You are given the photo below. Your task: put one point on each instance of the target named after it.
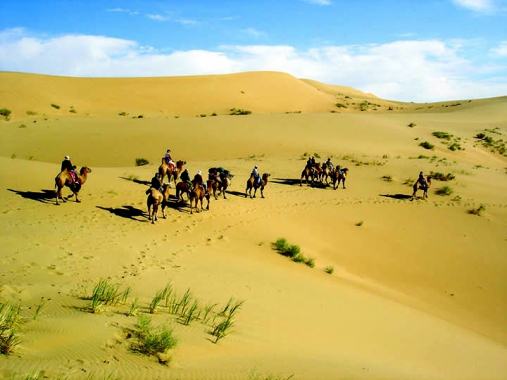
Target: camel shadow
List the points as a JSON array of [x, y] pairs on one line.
[[44, 196], [138, 181], [397, 196], [128, 212], [235, 193], [286, 181]]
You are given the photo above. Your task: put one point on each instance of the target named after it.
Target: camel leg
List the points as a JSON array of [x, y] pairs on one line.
[[262, 193], [207, 206], [77, 199], [343, 183]]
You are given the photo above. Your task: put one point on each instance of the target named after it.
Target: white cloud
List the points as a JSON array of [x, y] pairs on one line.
[[122, 10], [420, 71], [483, 6], [318, 2], [252, 32], [500, 50]]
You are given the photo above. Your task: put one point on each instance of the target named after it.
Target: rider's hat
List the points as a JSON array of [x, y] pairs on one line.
[[256, 167], [199, 172], [67, 157]]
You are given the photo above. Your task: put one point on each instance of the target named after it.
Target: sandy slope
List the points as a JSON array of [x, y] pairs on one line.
[[418, 290]]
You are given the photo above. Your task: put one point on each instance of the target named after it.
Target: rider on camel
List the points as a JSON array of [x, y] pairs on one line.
[[156, 183], [422, 181], [185, 177], [169, 158], [255, 173], [311, 162], [198, 180], [67, 165], [329, 164]]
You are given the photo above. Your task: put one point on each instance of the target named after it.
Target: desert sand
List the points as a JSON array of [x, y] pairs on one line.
[[418, 288]]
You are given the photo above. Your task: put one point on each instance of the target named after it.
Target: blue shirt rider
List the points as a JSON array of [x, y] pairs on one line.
[[255, 173]]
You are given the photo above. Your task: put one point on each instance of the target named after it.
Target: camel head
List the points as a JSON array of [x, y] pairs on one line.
[[85, 169], [265, 176]]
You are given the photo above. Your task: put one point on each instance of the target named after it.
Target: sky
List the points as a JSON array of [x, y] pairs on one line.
[[406, 50]]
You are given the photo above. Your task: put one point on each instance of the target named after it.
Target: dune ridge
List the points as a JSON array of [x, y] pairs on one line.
[[417, 288]]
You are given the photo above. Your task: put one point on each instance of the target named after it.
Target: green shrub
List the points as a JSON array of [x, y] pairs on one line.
[[387, 178], [239, 111], [442, 135], [412, 125], [359, 224], [427, 145], [123, 113], [5, 113], [142, 161], [341, 105], [477, 211], [153, 340], [31, 113], [442, 177], [72, 110], [10, 320], [55, 106], [329, 270], [446, 190]]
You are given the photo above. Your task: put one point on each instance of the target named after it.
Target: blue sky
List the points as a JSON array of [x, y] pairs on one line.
[[408, 50]]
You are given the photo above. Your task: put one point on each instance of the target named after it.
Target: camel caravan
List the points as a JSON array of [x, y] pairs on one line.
[[314, 173], [193, 192]]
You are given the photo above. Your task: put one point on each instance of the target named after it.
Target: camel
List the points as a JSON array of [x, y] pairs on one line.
[[198, 193], [339, 175], [165, 169], [308, 172], [155, 200], [222, 185], [65, 179], [326, 173], [418, 186], [182, 188], [253, 184]]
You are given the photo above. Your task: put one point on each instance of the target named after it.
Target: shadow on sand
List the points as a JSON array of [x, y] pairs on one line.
[[397, 196], [286, 181], [138, 181], [44, 196], [128, 212], [235, 193]]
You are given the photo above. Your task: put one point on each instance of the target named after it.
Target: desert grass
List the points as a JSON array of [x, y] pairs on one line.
[[427, 145], [329, 269], [254, 375], [446, 190], [162, 294], [441, 176], [10, 321], [153, 340], [39, 308], [292, 251], [141, 161], [359, 224], [134, 307], [224, 327], [477, 211], [193, 313], [105, 293]]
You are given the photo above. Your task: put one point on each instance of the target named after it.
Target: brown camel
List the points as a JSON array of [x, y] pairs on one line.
[[253, 184], [326, 173], [198, 193], [170, 171], [339, 175], [418, 186], [308, 172], [65, 179], [222, 184], [155, 200], [182, 188]]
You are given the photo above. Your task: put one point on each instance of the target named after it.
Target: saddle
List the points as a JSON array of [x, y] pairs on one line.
[[73, 175]]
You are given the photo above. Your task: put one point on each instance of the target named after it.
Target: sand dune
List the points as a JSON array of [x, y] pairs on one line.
[[418, 287]]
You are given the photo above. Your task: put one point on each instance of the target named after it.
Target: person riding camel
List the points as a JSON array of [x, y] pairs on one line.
[[169, 158], [156, 183], [255, 173], [198, 180], [185, 177], [311, 162], [329, 164], [422, 181], [67, 165]]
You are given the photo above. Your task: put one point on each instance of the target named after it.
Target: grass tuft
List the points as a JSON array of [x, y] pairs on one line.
[[10, 320]]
